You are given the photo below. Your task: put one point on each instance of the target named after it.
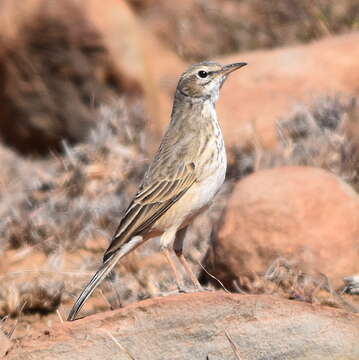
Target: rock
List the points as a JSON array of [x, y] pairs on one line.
[[140, 55], [269, 88], [306, 215], [55, 70], [200, 326], [275, 81], [82, 55]]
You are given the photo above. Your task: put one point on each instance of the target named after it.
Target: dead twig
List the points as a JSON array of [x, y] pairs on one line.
[[213, 277], [234, 346], [118, 344]]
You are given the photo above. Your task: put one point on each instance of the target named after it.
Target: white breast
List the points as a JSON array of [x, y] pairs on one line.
[[210, 185], [214, 172]]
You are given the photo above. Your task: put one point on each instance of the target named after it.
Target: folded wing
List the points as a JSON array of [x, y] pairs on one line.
[[151, 202]]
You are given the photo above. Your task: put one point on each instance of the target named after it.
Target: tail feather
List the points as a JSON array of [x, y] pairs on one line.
[[101, 273]]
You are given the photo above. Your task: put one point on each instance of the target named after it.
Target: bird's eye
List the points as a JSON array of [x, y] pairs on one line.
[[202, 74]]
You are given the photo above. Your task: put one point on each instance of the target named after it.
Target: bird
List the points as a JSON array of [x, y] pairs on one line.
[[181, 181]]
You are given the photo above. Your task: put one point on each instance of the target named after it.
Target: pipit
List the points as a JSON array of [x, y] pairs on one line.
[[183, 178]]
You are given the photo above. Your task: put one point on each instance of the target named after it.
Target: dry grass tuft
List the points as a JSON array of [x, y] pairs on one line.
[[228, 26], [323, 135], [68, 203], [39, 296], [288, 280], [72, 198]]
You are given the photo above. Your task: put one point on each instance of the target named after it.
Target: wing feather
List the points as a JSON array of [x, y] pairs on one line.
[[150, 203]]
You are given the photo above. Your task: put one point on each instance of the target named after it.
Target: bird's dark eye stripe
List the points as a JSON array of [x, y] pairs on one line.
[[202, 73]]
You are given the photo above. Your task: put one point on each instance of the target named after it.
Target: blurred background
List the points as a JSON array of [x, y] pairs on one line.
[[86, 91]]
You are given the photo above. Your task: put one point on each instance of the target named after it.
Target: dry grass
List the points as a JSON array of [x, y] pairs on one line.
[[65, 203], [323, 135], [226, 26], [288, 280], [70, 198], [38, 296]]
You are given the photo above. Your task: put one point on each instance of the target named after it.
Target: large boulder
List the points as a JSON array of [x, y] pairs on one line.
[[276, 81], [307, 216], [55, 69], [211, 325], [59, 62], [138, 53], [271, 87]]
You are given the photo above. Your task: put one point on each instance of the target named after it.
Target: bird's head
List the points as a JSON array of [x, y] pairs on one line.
[[204, 80]]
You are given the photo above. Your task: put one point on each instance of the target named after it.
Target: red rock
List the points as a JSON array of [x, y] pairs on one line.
[[304, 214], [275, 81], [55, 70], [138, 53], [270, 87], [82, 55], [198, 326]]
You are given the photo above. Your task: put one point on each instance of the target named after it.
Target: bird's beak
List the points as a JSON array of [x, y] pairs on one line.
[[227, 69]]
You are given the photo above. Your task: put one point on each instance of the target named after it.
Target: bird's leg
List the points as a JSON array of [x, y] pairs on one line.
[[167, 239], [178, 249], [170, 261], [189, 271]]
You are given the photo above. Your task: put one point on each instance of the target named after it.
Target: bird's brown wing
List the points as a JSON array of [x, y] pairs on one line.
[[151, 202]]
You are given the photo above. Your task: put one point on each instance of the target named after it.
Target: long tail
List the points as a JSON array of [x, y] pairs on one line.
[[101, 273]]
